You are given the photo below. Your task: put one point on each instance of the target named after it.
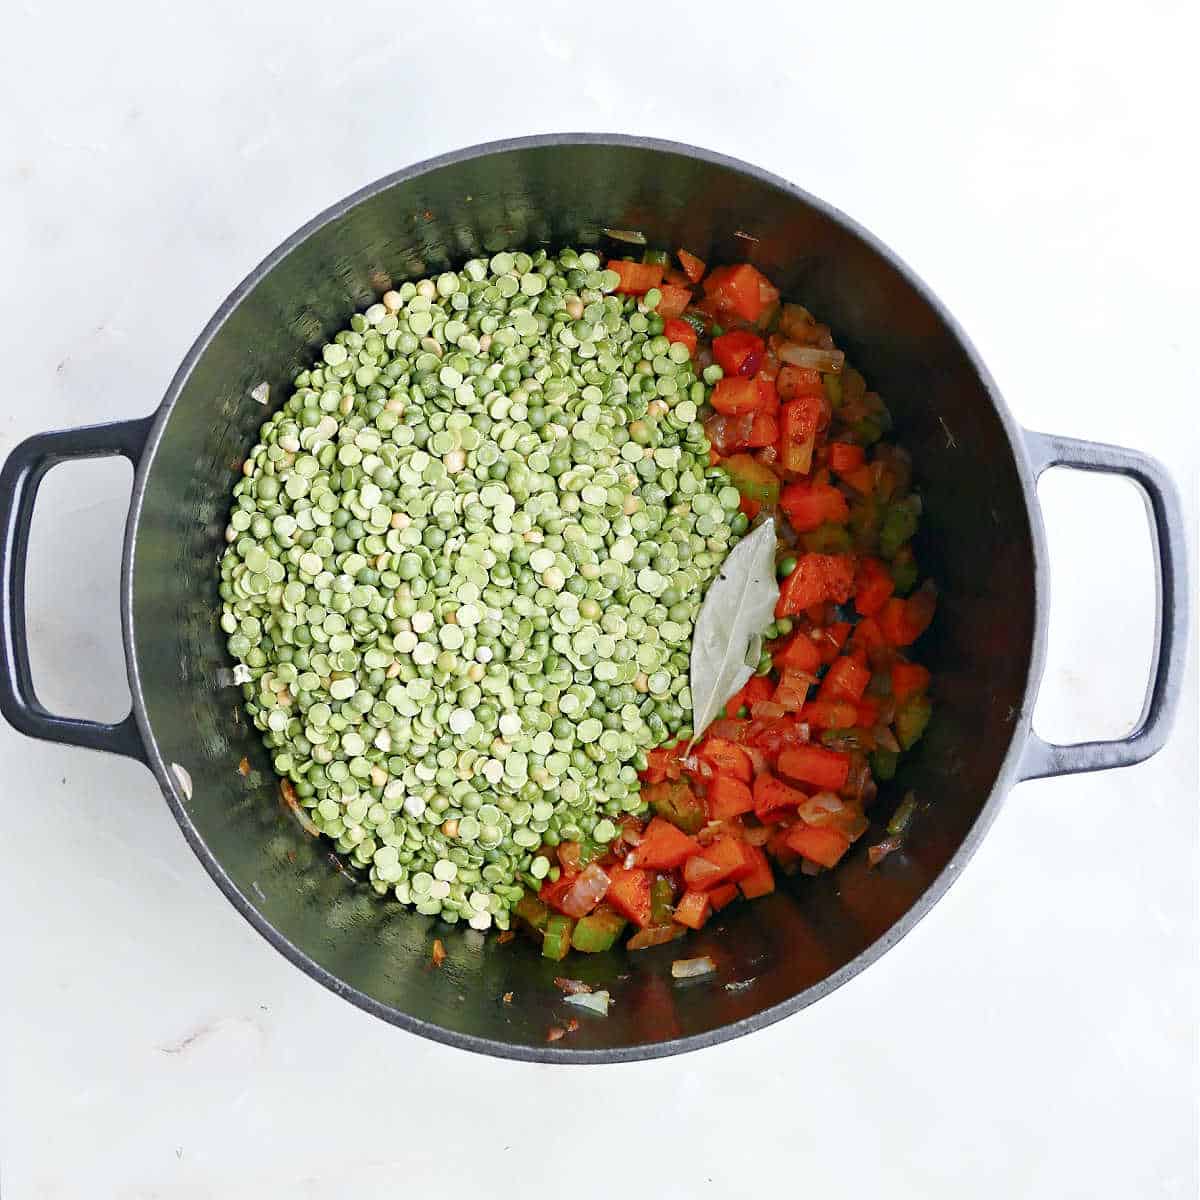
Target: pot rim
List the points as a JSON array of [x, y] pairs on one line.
[[170, 784]]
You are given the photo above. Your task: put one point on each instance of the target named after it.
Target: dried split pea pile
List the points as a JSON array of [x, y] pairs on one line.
[[464, 563]]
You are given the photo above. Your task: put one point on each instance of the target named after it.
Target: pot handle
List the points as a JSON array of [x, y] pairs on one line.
[[19, 482], [1042, 758]]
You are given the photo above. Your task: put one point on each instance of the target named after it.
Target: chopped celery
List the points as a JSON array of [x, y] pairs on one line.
[[556, 940]]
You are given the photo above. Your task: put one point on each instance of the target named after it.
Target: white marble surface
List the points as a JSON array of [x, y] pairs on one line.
[[1036, 1035]]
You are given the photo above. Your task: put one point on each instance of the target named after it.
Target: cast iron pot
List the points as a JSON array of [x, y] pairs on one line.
[[982, 541]]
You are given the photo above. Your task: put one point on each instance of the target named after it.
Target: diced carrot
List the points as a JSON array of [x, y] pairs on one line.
[[861, 479], [738, 352], [809, 505], [750, 507], [908, 679], [761, 879], [903, 621], [772, 795], [727, 758], [799, 653], [792, 690], [833, 640], [722, 895], [735, 395], [845, 457], [677, 277], [675, 330], [764, 429], [727, 855], [868, 636], [825, 769], [820, 844], [801, 419], [872, 586], [728, 797], [674, 300], [845, 680], [663, 846], [629, 893], [830, 714], [636, 278], [693, 909], [693, 267], [758, 687], [739, 289], [868, 713], [817, 578]]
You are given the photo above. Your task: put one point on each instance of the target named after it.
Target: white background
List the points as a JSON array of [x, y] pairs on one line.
[[1036, 1035]]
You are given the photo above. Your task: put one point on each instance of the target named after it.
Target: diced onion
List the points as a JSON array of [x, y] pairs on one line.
[[813, 357], [586, 892], [596, 1002], [691, 968], [632, 236], [572, 987]]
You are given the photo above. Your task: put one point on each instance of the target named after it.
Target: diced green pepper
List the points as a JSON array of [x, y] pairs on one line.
[[828, 539], [904, 571], [598, 931], [753, 479], [911, 718], [674, 801], [660, 258], [865, 517], [833, 389], [903, 815], [532, 912], [662, 901], [556, 940], [883, 764], [899, 524]]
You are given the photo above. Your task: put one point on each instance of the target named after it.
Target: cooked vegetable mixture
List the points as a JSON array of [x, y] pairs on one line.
[[464, 568]]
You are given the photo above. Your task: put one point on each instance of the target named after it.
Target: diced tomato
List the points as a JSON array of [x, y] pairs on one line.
[[738, 352], [907, 680], [629, 893], [798, 653], [728, 797], [825, 769], [801, 419], [693, 909], [738, 289], [734, 395], [845, 457], [771, 736], [675, 300], [817, 578], [872, 586], [845, 680], [722, 895], [636, 278], [819, 844], [809, 505], [749, 507], [830, 714], [903, 621], [663, 846], [868, 713], [726, 758], [772, 796], [796, 382], [760, 881], [693, 267], [764, 430], [758, 687], [675, 330], [724, 860]]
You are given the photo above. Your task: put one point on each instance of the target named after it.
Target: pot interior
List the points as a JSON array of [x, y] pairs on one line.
[[976, 541]]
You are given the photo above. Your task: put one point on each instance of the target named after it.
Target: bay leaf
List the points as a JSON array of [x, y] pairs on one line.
[[739, 605]]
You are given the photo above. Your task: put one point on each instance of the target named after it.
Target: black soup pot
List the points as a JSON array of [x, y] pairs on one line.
[[982, 541]]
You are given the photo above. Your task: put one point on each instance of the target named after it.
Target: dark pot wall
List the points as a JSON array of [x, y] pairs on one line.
[[977, 537]]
